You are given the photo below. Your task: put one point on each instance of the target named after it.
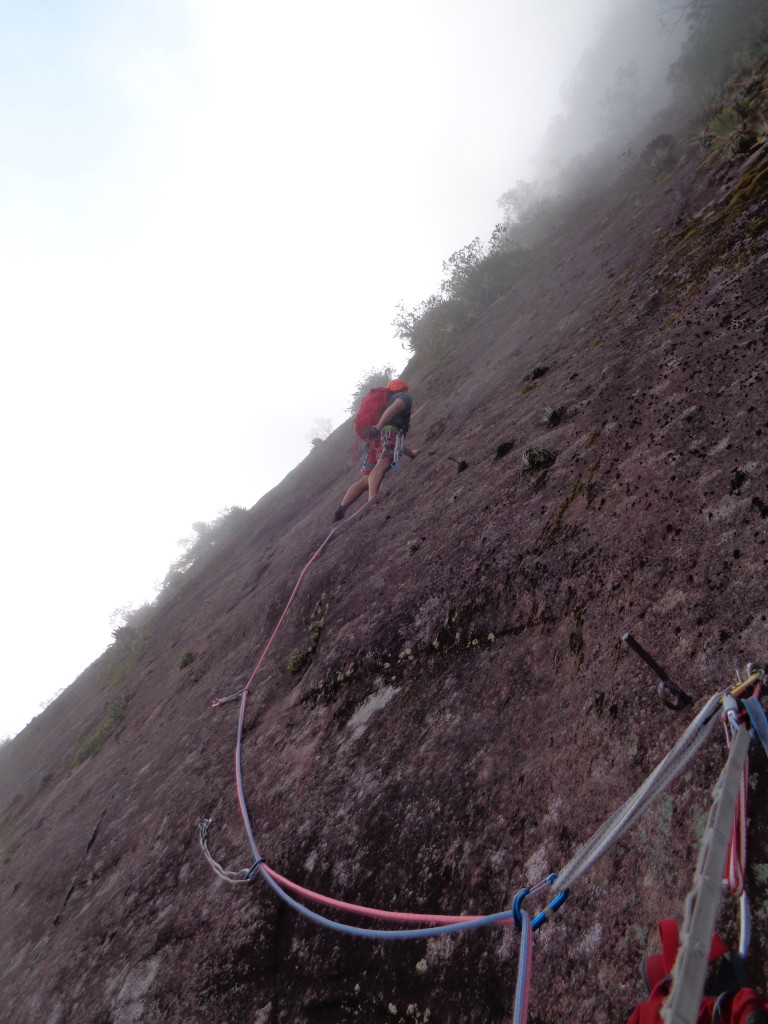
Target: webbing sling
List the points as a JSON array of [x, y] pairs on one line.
[[703, 902]]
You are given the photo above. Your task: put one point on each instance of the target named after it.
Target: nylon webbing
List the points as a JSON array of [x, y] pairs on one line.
[[659, 779], [703, 901]]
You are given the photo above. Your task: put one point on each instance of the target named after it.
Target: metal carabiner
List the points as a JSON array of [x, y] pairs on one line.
[[539, 920]]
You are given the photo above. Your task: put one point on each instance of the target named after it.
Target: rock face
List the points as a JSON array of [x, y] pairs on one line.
[[447, 711]]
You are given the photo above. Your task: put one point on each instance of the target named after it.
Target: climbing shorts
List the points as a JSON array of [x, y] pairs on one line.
[[389, 445]]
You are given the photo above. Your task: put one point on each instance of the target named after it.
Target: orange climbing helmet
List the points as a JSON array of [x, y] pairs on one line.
[[397, 385]]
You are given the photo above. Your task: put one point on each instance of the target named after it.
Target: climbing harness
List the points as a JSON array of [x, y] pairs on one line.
[[702, 904], [727, 998], [703, 901], [720, 869]]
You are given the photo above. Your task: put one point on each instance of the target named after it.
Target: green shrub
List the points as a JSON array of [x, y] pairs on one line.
[[432, 323], [475, 276], [186, 659], [92, 743], [724, 129], [301, 661], [725, 39], [198, 549], [373, 379]]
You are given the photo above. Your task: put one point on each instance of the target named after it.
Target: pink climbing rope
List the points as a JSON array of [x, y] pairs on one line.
[[354, 908], [302, 574], [285, 610]]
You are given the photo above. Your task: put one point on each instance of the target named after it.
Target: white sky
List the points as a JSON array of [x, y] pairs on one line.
[[207, 206]]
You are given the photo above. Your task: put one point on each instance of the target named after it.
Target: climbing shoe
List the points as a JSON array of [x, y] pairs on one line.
[[338, 515]]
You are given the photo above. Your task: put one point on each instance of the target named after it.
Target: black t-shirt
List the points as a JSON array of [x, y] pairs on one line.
[[401, 420]]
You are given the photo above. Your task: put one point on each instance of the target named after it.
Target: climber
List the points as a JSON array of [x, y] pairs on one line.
[[384, 444]]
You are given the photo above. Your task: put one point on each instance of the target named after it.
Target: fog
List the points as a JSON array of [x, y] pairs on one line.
[[619, 82], [210, 213]]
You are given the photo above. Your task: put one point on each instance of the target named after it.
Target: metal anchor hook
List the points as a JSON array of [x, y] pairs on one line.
[[670, 693]]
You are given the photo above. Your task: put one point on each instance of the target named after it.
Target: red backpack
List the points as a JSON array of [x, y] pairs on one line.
[[371, 408]]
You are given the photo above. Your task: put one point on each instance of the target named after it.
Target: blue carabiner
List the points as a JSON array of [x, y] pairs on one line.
[[556, 903], [517, 903]]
